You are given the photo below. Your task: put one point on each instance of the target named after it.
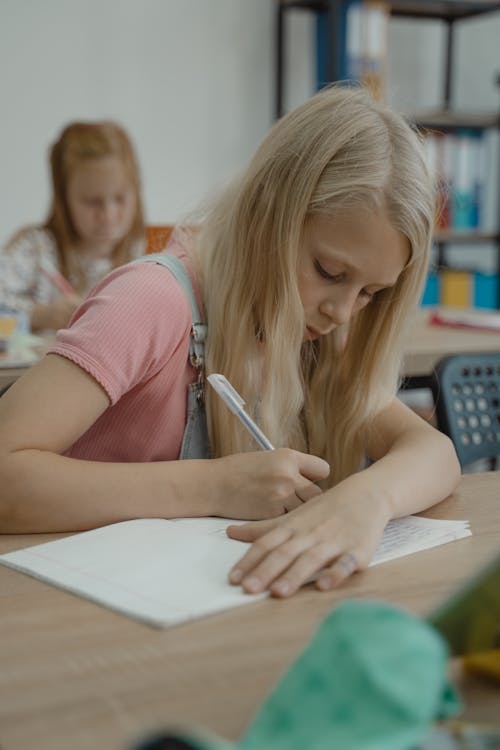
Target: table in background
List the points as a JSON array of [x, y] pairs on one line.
[[74, 674], [428, 343], [9, 374], [30, 354]]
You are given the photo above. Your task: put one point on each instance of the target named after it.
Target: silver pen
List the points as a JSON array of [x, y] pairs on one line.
[[235, 403]]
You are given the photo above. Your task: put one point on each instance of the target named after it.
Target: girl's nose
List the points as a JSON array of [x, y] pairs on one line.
[[340, 310], [107, 211]]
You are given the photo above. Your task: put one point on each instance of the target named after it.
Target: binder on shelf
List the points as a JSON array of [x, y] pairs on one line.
[[361, 44], [486, 288], [322, 45], [367, 27], [456, 288], [438, 148], [461, 289], [432, 291], [465, 211], [445, 143], [459, 164], [480, 163]]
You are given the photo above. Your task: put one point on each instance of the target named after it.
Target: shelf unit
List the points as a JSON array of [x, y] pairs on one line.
[[445, 120], [448, 11]]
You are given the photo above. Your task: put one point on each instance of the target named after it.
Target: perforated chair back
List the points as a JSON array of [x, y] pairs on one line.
[[466, 392]]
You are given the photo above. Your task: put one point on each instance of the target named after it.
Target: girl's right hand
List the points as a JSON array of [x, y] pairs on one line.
[[55, 314], [266, 484]]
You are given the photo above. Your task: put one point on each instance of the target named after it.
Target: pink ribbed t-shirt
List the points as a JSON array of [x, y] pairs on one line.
[[132, 336]]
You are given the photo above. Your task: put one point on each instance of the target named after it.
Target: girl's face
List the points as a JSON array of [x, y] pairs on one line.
[[343, 263], [102, 201]]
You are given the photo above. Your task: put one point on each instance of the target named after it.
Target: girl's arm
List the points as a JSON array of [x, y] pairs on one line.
[[54, 314], [338, 532], [19, 277], [20, 262], [56, 401]]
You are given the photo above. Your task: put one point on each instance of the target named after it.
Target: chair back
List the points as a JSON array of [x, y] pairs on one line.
[[157, 237], [466, 390]]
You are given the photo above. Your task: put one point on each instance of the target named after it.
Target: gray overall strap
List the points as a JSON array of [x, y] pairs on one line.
[[198, 329]]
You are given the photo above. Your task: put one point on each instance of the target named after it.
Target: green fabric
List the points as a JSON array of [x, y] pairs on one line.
[[372, 678]]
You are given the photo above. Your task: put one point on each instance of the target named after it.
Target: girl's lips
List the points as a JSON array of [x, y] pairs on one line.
[[311, 334]]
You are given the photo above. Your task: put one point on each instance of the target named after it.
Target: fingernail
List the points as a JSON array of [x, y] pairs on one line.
[[324, 583], [252, 584], [235, 575], [281, 587]]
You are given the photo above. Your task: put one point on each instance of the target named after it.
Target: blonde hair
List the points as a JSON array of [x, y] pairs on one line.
[[340, 149], [79, 142]]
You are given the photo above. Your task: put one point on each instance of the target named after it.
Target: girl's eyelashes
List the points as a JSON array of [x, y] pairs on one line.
[[367, 294], [324, 273], [338, 277]]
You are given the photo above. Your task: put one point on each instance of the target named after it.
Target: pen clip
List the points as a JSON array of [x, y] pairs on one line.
[[228, 394]]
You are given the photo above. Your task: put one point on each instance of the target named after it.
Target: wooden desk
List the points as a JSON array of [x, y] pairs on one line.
[[427, 344], [77, 675]]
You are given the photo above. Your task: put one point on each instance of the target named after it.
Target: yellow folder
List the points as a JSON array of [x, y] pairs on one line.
[[456, 288]]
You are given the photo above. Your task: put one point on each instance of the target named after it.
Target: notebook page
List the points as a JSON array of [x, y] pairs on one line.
[[165, 572], [157, 571], [404, 536]]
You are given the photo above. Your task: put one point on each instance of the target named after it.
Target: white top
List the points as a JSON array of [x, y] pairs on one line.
[[22, 285]]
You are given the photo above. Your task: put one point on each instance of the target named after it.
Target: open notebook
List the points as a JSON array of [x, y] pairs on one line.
[[164, 572]]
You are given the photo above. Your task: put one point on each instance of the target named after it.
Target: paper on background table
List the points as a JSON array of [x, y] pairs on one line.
[[21, 351], [165, 572], [462, 318], [19, 358]]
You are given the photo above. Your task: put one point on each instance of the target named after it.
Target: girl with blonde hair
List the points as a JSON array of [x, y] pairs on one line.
[[95, 224], [307, 271]]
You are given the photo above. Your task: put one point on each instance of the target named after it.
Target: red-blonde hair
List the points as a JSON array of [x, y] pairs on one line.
[[78, 142]]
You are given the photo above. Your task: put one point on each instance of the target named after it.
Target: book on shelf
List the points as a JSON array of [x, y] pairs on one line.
[[366, 44], [362, 44], [439, 158], [458, 161], [461, 288], [456, 288]]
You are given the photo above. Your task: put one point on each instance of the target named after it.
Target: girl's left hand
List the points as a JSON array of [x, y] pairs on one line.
[[331, 537]]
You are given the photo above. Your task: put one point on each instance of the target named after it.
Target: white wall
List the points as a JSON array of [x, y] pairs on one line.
[[191, 80]]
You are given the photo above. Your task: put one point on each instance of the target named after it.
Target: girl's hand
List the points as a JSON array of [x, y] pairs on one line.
[[266, 484], [55, 314], [331, 537]]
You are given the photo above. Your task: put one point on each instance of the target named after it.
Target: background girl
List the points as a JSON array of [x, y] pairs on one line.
[[95, 223], [308, 270]]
